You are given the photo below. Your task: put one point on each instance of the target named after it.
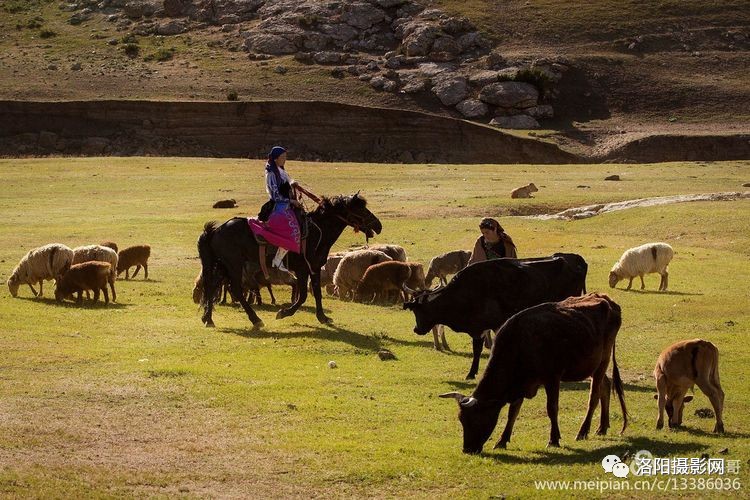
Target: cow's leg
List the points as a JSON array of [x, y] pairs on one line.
[[630, 284], [513, 410], [33, 291], [604, 396], [137, 268], [273, 299], [594, 395], [127, 276], [442, 338], [716, 396], [96, 295], [79, 300], [553, 395], [477, 343], [487, 338], [435, 338], [41, 288], [661, 397], [643, 285]]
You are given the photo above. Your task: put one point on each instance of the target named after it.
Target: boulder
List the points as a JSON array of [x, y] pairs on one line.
[[451, 90], [315, 41], [472, 108], [483, 77], [329, 57], [444, 48], [419, 42], [267, 43], [613, 177], [173, 8], [515, 122], [174, 27], [362, 15], [415, 85], [378, 82], [387, 4], [339, 32], [136, 9], [540, 111], [510, 94], [469, 41]]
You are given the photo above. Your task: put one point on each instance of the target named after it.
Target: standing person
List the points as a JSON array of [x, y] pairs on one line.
[[494, 243], [283, 228]]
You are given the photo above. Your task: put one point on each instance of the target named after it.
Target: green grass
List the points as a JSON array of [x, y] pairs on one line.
[[138, 398]]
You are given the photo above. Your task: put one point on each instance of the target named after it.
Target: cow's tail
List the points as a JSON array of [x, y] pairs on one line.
[[209, 263], [618, 388]]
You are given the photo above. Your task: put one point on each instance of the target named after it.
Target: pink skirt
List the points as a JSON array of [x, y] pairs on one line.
[[281, 230]]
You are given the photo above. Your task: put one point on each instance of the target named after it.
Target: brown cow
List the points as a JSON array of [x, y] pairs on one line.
[[544, 345], [679, 367]]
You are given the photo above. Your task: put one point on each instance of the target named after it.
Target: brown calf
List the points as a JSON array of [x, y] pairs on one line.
[[92, 275], [679, 367], [134, 256]]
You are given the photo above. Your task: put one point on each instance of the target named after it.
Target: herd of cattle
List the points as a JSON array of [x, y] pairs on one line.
[[87, 269], [548, 328]]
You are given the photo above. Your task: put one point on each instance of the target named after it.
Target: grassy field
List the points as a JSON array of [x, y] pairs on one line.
[[138, 398]]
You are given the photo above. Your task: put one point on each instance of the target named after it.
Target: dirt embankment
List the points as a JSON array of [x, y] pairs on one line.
[[313, 130]]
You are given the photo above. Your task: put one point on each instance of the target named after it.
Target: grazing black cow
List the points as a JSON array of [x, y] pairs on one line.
[[485, 294], [543, 345]]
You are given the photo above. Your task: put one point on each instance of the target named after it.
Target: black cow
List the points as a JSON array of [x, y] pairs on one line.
[[541, 346], [485, 294]]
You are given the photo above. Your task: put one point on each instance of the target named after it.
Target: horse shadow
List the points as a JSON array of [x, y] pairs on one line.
[[571, 454]]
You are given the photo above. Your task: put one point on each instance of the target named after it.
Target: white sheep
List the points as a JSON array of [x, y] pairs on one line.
[[91, 253], [645, 259], [44, 263], [351, 269]]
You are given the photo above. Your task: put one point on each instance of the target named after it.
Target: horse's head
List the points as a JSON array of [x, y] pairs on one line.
[[353, 210]]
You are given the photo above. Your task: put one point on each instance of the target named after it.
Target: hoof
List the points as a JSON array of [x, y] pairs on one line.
[[470, 377], [719, 429], [210, 324], [553, 444], [581, 437], [325, 320], [282, 314], [601, 432], [258, 325], [500, 445]]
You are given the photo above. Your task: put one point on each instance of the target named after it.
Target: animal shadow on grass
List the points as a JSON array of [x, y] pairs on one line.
[[692, 428], [329, 332], [585, 385], [570, 454], [657, 292], [87, 304]]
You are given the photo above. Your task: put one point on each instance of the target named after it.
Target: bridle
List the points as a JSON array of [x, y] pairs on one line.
[[359, 222]]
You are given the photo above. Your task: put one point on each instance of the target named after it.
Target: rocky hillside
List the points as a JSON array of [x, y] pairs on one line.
[[595, 75]]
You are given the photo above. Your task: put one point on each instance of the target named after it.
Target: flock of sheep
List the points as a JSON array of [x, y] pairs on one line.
[[87, 269]]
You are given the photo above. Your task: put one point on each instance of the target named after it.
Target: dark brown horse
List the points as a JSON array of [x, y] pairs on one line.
[[225, 249]]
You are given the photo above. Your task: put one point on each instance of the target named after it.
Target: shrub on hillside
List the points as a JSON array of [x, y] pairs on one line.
[[47, 34], [160, 55], [131, 49], [232, 95]]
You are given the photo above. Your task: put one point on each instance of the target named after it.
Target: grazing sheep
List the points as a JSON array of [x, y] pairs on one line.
[[448, 263], [134, 256], [351, 269], [645, 259], [395, 252], [91, 275], [678, 368], [524, 191], [42, 263], [110, 244], [276, 277], [381, 279], [90, 253], [328, 270], [231, 203]]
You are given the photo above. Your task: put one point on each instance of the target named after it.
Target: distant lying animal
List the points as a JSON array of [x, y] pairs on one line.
[[541, 346], [524, 191], [231, 203], [645, 259], [43, 263], [134, 256], [679, 367], [92, 275], [443, 265]]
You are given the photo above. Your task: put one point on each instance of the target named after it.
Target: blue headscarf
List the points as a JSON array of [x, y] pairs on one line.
[[271, 166]]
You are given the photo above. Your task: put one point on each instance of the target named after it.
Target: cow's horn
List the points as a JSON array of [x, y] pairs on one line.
[[468, 402], [408, 290], [455, 395]]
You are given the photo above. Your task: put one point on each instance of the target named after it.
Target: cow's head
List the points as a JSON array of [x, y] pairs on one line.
[[674, 415], [478, 419], [423, 308]]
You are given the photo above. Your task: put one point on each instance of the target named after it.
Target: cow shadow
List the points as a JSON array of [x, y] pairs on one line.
[[570, 454], [693, 431], [585, 385], [657, 292], [67, 304]]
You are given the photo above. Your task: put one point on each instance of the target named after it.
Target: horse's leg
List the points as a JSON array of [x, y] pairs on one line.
[[302, 274]]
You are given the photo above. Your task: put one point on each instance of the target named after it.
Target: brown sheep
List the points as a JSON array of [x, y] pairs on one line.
[[381, 279], [92, 275], [134, 256], [231, 203], [99, 253], [448, 263], [110, 244], [524, 191], [679, 367]]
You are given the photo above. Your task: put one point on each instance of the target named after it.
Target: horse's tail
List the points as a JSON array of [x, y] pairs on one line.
[[208, 262]]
